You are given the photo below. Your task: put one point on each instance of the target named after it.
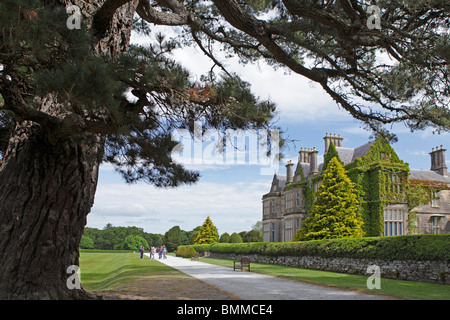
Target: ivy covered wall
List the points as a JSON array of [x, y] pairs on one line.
[[381, 179]]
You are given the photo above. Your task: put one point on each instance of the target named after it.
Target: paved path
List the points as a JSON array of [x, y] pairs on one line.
[[254, 286]]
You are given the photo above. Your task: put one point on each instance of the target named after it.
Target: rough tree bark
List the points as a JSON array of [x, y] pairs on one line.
[[47, 187], [47, 191]]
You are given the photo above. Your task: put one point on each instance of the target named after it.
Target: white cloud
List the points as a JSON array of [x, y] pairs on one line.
[[298, 99], [233, 207]]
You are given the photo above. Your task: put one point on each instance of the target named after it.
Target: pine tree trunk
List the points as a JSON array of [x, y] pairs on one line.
[[47, 191], [47, 188]]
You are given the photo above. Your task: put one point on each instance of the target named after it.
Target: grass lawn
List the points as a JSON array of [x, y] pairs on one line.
[[108, 270], [394, 288], [103, 270]]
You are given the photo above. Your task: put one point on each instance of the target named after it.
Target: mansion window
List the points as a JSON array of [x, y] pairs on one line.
[[272, 206], [395, 183], [385, 156], [288, 201], [298, 199], [435, 224], [393, 222]]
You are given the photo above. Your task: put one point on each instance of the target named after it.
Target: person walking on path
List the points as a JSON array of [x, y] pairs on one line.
[[164, 252], [160, 252], [152, 256]]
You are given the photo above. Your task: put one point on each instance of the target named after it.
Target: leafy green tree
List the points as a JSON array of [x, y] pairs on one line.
[[172, 238], [252, 236], [133, 242], [153, 239], [335, 210], [193, 234], [86, 243], [224, 238], [235, 238], [207, 234]]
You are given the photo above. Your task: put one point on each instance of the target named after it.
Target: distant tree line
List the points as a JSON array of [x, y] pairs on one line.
[[131, 238], [119, 238]]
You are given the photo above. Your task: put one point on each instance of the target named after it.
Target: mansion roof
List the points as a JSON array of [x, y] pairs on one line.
[[349, 155]]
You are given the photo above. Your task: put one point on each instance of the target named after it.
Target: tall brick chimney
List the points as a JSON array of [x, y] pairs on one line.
[[337, 141], [438, 161]]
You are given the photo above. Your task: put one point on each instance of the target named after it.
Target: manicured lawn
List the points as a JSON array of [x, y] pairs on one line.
[[394, 288], [108, 270], [103, 270]]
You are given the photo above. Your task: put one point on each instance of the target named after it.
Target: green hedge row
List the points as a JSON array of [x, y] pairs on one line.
[[185, 251], [409, 247]]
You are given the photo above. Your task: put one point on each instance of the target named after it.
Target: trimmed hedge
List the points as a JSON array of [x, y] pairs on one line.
[[408, 247], [185, 252]]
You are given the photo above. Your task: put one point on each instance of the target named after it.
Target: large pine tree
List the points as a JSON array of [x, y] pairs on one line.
[[72, 98], [335, 210]]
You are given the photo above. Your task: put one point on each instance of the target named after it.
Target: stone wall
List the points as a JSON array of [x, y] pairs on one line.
[[424, 271]]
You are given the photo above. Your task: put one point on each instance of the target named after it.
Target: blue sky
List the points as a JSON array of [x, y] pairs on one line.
[[231, 194]]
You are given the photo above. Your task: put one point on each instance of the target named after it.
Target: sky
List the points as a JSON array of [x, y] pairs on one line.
[[230, 194]]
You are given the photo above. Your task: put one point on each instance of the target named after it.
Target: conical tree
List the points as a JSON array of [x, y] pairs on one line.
[[208, 233], [331, 153], [335, 211]]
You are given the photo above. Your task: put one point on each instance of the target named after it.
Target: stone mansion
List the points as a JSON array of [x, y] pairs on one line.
[[383, 182]]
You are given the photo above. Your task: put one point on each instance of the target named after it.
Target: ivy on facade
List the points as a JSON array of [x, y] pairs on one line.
[[380, 179]]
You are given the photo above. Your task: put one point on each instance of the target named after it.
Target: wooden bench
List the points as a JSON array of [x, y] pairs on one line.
[[196, 257], [244, 262]]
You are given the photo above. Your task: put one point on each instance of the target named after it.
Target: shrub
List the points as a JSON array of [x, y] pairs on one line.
[[190, 252], [408, 247], [181, 251], [185, 252], [235, 238], [201, 247], [224, 238]]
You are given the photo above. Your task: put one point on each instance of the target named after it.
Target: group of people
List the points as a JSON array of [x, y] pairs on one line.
[[161, 251]]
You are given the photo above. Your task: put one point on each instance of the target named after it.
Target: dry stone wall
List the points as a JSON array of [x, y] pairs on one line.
[[424, 271]]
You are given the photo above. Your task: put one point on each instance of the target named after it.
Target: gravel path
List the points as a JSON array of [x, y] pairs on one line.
[[255, 286]]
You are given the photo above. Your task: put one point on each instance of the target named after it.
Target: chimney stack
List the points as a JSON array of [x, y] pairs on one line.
[[314, 168], [438, 161], [304, 155], [289, 172], [337, 141], [309, 156]]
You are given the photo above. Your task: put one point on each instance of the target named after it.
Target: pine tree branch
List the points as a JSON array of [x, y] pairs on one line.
[[103, 17], [260, 30]]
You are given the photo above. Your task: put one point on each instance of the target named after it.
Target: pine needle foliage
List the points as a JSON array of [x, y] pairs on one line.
[[208, 233], [335, 211]]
